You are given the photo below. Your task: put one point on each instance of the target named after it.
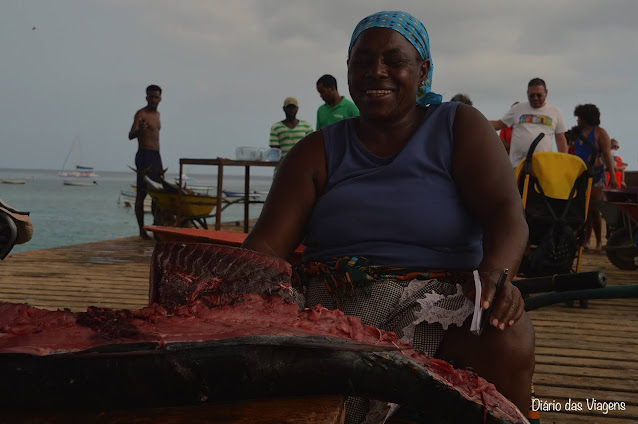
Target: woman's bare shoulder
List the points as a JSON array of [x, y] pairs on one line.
[[601, 132], [470, 123], [306, 159]]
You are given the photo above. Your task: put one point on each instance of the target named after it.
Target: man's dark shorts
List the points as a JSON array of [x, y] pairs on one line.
[[147, 162]]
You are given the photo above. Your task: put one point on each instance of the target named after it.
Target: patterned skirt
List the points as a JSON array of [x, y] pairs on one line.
[[417, 310]]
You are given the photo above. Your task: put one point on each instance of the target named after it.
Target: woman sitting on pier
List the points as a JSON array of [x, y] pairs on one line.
[[396, 206]]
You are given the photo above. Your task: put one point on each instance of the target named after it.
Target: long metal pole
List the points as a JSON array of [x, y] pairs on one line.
[[178, 218], [220, 182], [246, 200]]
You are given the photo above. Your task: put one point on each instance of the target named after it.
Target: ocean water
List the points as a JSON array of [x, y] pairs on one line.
[[65, 215]]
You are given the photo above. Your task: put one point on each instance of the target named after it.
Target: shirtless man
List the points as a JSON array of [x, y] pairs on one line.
[[146, 128]]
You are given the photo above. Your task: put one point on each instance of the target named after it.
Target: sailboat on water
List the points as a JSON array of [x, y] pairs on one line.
[[79, 171]]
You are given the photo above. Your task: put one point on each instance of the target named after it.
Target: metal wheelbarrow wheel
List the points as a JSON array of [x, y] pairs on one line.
[[621, 250]]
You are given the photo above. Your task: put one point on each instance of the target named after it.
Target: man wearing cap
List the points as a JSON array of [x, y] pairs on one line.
[[336, 107], [285, 134]]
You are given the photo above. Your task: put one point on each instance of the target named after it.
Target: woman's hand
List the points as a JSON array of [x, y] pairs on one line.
[[488, 187], [508, 305]]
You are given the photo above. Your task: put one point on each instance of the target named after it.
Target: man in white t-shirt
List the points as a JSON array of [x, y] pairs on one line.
[[530, 119]]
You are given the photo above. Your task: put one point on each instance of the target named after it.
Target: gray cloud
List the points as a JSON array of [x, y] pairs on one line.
[[226, 66]]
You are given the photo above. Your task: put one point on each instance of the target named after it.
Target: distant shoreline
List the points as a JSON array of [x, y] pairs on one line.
[[228, 172]]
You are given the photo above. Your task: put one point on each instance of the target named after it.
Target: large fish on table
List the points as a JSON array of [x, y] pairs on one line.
[[222, 325]]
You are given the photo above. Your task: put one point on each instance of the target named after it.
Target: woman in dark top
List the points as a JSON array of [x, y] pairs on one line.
[[398, 205], [588, 119]]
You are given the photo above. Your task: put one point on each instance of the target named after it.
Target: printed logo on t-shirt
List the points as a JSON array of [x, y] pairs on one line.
[[535, 119]]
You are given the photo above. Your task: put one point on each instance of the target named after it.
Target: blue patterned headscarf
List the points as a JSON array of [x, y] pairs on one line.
[[414, 31]]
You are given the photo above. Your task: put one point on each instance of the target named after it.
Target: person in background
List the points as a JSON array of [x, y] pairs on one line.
[[463, 98], [506, 135], [285, 134], [395, 211], [531, 118], [336, 107], [571, 135], [619, 165], [588, 121], [146, 128]]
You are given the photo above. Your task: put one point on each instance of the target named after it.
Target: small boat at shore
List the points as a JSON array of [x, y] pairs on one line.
[[127, 199], [81, 172], [238, 196], [184, 178], [79, 183], [13, 181], [78, 171], [200, 188]]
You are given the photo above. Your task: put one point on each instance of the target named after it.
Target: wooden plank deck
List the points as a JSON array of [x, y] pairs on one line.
[[581, 354], [589, 353]]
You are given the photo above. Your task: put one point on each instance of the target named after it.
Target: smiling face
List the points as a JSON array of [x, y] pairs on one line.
[[384, 74], [536, 95]]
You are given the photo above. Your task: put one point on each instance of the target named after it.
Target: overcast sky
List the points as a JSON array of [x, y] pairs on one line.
[[78, 68]]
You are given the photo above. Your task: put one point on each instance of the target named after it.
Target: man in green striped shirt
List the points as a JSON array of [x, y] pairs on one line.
[[285, 134]]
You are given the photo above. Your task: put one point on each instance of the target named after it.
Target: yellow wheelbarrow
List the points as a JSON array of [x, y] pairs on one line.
[[193, 208]]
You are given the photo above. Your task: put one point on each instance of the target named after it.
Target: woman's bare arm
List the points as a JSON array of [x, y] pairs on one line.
[[486, 180], [297, 185]]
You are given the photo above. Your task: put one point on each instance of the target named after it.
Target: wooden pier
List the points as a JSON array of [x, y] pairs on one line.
[[581, 353], [591, 353]]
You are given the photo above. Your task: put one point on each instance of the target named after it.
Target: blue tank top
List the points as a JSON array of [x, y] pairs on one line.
[[402, 210], [583, 150]]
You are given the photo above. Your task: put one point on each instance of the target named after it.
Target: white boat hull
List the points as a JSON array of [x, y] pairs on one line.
[[128, 201], [78, 174]]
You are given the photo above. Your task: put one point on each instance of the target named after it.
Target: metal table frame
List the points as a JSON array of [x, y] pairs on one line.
[[221, 163]]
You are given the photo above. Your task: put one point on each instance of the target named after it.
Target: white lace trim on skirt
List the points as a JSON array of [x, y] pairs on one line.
[[437, 308]]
